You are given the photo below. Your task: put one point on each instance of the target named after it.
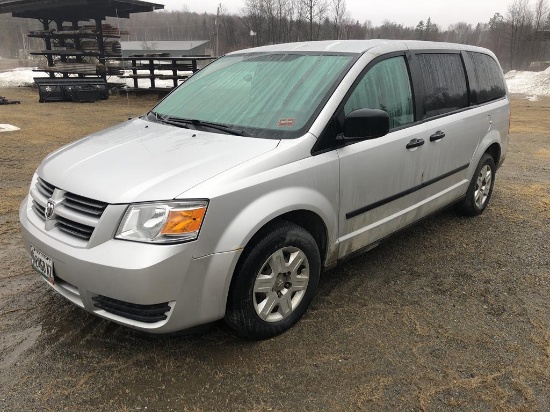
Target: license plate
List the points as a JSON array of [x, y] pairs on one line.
[[43, 264]]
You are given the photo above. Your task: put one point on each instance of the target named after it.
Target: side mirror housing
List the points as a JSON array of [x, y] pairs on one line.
[[364, 124]]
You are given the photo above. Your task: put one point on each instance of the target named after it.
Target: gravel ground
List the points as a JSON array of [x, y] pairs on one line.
[[451, 314]]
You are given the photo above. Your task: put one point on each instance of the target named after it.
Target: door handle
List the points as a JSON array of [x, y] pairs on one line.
[[415, 143], [437, 136]]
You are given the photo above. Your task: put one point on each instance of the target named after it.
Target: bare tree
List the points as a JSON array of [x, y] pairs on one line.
[[254, 20], [420, 27], [519, 19], [540, 20], [461, 32], [338, 14], [516, 35], [542, 13], [314, 11]]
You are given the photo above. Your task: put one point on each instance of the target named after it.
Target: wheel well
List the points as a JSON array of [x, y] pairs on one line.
[[313, 224], [494, 151], [308, 220]]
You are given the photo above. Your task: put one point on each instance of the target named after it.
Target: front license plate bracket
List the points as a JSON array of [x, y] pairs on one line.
[[43, 264]]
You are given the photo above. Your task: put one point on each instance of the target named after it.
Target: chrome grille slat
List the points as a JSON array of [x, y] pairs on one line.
[[38, 196], [77, 229], [84, 205], [86, 201], [74, 215], [46, 188], [39, 209], [78, 206], [76, 233], [42, 190]]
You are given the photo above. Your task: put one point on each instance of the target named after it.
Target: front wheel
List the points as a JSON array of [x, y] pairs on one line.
[[276, 282], [480, 189]]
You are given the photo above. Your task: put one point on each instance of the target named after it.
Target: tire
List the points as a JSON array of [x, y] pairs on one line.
[[276, 282], [480, 188]]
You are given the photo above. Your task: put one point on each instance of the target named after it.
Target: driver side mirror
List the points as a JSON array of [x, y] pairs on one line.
[[364, 124]]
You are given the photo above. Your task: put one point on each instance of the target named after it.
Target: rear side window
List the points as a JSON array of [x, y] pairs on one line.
[[386, 86], [487, 83], [444, 82]]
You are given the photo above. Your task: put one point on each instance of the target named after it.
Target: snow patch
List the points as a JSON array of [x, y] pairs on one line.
[[531, 83], [19, 77], [8, 128], [146, 83], [24, 77]]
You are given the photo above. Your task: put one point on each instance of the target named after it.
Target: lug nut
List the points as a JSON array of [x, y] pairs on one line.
[[288, 285]]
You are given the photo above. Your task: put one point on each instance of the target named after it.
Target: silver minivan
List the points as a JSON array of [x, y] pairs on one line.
[[231, 196]]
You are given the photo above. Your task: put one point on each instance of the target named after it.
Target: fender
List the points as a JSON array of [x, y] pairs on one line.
[[265, 206], [236, 215]]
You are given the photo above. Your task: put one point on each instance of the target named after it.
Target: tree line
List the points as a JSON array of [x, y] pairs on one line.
[[519, 35]]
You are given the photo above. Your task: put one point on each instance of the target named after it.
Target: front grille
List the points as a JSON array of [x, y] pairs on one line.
[[45, 188], [39, 209], [84, 205], [141, 313], [73, 228], [74, 215]]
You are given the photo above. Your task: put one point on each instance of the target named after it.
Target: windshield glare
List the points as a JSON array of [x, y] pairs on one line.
[[268, 95]]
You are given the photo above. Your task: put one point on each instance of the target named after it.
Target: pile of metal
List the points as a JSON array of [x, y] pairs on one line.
[[3, 100]]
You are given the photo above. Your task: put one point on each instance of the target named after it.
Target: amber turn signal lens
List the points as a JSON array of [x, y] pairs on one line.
[[183, 221]]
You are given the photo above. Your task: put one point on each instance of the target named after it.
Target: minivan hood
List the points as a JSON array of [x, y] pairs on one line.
[[140, 161]]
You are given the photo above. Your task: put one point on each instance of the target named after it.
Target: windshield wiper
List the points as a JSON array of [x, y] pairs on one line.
[[172, 121], [218, 126], [176, 121]]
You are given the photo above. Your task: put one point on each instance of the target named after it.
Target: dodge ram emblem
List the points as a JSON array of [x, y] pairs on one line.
[[50, 208]]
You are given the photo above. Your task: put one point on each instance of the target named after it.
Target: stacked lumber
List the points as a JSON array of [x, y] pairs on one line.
[[113, 48], [73, 67], [108, 30]]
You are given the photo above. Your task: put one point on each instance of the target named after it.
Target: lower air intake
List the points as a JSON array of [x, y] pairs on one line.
[[141, 313]]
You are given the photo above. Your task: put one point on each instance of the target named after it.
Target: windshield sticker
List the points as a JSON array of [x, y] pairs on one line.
[[286, 122]]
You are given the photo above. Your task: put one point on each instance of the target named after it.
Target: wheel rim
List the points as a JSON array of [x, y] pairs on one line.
[[483, 186], [281, 284]]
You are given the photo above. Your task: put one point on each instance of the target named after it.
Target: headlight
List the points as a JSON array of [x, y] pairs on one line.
[[170, 222]]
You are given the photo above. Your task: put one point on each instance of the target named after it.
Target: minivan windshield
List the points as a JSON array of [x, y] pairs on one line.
[[268, 95]]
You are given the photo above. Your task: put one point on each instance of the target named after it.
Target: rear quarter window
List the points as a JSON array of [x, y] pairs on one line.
[[444, 83], [487, 83]]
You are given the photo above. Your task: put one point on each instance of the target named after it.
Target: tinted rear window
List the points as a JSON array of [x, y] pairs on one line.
[[444, 82], [487, 83]]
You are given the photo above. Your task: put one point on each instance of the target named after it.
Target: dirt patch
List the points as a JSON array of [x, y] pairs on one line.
[[528, 116], [452, 314], [543, 154]]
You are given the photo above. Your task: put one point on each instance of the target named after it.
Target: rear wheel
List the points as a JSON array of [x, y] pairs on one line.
[[276, 282], [480, 189]]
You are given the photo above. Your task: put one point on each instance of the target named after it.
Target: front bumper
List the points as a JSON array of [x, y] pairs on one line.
[[195, 289]]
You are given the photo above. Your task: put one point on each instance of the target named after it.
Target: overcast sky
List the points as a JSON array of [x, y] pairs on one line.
[[406, 12]]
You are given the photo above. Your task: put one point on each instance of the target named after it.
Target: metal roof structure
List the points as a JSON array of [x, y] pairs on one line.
[[163, 45], [171, 48], [71, 10]]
